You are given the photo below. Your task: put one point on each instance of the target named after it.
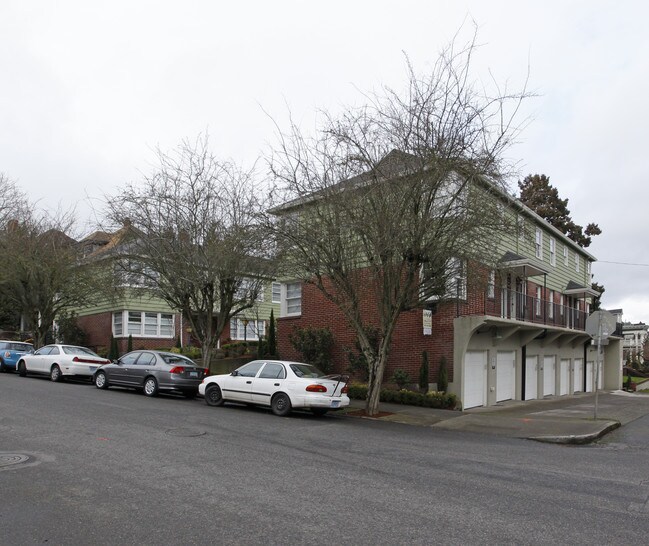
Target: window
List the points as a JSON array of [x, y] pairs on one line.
[[277, 292], [147, 359], [129, 359], [143, 324], [250, 370], [521, 228], [538, 301], [551, 305], [589, 268], [293, 300], [272, 371], [491, 286], [448, 283], [244, 329], [565, 255], [246, 289], [576, 262], [561, 304], [553, 254], [538, 243]]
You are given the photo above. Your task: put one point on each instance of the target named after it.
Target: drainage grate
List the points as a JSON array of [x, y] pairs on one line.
[[8, 459], [185, 432]]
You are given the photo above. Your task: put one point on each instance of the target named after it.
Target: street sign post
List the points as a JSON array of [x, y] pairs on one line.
[[599, 325]]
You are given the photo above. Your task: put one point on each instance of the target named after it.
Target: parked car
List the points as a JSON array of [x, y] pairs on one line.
[[279, 384], [153, 372], [59, 361], [10, 353]]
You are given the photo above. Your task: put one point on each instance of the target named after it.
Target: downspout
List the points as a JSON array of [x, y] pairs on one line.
[[523, 366]]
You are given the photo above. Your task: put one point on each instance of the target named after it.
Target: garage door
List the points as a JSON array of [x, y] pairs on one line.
[[600, 379], [578, 375], [505, 375], [590, 370], [564, 376], [549, 375], [531, 377], [475, 379]]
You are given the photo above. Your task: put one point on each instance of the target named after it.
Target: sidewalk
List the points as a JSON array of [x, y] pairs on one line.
[[565, 419]]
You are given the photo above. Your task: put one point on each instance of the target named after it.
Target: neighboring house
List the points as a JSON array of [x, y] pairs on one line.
[[149, 319], [520, 336], [635, 336]]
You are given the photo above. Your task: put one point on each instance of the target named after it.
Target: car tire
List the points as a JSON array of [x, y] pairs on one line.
[[281, 404], [150, 387], [22, 369], [101, 381], [55, 374], [214, 396], [319, 412], [3, 368]]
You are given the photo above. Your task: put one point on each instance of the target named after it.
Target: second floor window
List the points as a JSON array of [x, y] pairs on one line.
[[576, 262], [277, 292], [553, 253], [538, 243], [293, 299]]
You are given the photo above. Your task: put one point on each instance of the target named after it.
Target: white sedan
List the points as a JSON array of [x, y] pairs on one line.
[[279, 384], [59, 361]]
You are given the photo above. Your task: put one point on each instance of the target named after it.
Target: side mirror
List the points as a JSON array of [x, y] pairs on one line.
[[235, 372]]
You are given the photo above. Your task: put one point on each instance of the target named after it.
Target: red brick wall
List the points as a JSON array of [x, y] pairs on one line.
[[407, 344]]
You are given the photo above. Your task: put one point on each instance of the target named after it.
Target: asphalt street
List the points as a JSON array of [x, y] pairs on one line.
[[83, 466]]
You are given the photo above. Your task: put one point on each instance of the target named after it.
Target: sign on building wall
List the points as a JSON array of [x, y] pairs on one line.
[[428, 322]]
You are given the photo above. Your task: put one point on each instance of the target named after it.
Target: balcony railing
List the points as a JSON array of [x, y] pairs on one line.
[[509, 304]]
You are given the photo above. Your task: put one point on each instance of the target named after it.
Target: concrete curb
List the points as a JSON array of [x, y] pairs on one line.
[[577, 439]]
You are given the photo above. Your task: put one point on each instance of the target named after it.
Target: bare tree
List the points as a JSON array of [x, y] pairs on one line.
[[42, 276], [197, 241], [387, 206]]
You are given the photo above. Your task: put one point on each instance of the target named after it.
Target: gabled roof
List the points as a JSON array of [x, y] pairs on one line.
[[116, 239], [97, 237]]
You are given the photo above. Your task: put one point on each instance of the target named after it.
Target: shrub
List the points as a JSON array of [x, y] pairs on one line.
[[442, 375], [271, 338], [314, 344], [433, 399], [235, 349], [113, 352], [423, 373], [129, 345], [401, 378]]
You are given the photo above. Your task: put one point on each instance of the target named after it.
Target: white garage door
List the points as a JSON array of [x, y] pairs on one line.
[[549, 375], [505, 374], [578, 375], [564, 376], [590, 370], [531, 377], [475, 379]]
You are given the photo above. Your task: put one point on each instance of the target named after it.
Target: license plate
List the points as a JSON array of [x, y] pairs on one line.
[[193, 374], [335, 403]]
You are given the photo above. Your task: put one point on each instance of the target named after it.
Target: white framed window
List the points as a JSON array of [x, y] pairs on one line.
[[143, 324], [249, 330], [589, 267], [538, 301], [276, 289], [456, 286], [561, 304], [551, 304], [292, 296], [576, 262], [521, 227], [553, 251], [565, 255], [491, 284], [245, 290], [538, 243]]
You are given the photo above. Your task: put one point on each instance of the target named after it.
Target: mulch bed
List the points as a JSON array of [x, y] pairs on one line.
[[363, 413]]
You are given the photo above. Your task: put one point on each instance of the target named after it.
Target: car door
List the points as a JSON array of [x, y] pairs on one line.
[[238, 385], [120, 373], [267, 382], [141, 368], [40, 360]]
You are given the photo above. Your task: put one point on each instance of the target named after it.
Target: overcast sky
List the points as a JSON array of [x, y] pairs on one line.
[[88, 89]]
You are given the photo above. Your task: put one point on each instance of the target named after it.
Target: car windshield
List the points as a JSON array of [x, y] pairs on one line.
[[70, 350], [24, 347], [177, 359], [306, 370]]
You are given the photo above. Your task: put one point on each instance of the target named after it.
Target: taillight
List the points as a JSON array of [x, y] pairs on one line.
[[344, 390], [316, 388], [177, 369], [206, 371]]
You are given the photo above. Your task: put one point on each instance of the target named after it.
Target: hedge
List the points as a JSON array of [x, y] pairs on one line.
[[431, 399]]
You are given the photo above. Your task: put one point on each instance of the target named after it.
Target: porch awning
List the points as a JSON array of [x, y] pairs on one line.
[[576, 289], [521, 266]]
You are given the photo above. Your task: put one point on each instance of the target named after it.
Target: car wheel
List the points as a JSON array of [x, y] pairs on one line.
[[3, 368], [55, 374], [319, 411], [150, 386], [214, 396], [281, 404], [101, 381], [22, 369]]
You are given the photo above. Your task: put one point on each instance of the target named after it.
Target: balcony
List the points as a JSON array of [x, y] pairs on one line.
[[508, 304]]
